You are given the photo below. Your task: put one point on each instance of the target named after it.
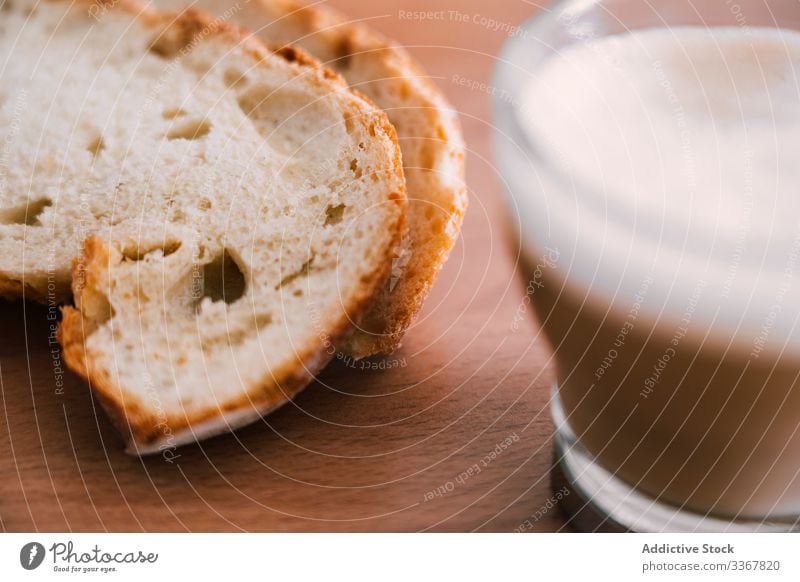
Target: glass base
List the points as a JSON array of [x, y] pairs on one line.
[[599, 501]]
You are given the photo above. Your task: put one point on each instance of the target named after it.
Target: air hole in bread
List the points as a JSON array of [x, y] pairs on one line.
[[223, 279], [173, 113], [234, 78], [334, 214], [303, 271], [192, 129], [200, 66], [335, 185], [136, 252], [289, 53], [348, 123], [27, 214], [96, 146], [262, 319], [354, 167], [233, 336], [173, 41]]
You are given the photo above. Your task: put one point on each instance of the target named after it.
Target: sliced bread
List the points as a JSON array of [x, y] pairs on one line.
[[237, 209], [428, 131]]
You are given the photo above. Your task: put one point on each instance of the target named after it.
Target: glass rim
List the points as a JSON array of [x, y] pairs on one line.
[[519, 59]]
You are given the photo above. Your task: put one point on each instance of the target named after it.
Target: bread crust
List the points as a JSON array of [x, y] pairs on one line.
[[145, 430], [398, 305]]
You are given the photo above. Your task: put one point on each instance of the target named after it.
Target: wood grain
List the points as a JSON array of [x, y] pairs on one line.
[[361, 450]]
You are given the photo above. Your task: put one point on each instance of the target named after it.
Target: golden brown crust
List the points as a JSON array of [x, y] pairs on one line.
[[184, 27], [138, 423], [396, 307]]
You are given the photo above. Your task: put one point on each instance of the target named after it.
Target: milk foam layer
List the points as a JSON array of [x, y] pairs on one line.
[[674, 153]]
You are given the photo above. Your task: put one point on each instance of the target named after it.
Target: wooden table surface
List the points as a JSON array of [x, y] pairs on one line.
[[364, 450]]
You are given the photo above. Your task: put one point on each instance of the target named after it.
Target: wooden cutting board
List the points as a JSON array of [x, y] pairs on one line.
[[452, 433]]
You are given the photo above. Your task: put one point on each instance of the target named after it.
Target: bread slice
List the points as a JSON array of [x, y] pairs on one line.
[[427, 127], [239, 207]]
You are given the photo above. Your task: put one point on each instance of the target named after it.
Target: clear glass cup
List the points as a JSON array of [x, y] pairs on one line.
[[672, 313]]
